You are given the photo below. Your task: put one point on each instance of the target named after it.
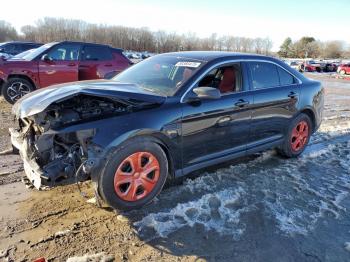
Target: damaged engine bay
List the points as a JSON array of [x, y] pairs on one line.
[[60, 157]]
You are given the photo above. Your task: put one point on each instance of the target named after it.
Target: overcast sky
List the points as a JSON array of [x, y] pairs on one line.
[[277, 19]]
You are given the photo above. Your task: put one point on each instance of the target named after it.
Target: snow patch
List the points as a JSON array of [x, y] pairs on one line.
[[100, 257], [219, 211]]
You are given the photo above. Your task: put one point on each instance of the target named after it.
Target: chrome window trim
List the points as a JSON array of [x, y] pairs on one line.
[[238, 61]]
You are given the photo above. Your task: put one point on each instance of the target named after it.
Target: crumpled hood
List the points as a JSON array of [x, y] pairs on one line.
[[39, 100]]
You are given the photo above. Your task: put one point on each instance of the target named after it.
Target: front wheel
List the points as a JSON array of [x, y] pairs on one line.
[[134, 175], [297, 137], [15, 88]]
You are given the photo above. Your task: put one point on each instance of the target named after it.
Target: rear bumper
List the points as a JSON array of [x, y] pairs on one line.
[[31, 168]]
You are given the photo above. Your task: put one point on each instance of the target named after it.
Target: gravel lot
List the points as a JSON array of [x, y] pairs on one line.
[[260, 208]]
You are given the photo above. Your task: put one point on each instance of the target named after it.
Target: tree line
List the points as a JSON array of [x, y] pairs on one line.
[[51, 29], [309, 47]]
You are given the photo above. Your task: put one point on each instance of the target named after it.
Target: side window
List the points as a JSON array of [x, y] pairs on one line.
[[65, 52], [285, 77], [228, 79], [264, 75], [97, 53]]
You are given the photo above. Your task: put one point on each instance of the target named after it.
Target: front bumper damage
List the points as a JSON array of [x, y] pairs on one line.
[[60, 171], [34, 173]]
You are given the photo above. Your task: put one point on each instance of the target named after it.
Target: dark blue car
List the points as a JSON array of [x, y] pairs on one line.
[[164, 118], [15, 47]]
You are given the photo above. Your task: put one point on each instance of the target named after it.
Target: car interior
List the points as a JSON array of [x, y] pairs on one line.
[[227, 79]]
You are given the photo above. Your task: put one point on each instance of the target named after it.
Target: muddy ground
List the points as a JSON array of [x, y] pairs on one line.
[[261, 208]]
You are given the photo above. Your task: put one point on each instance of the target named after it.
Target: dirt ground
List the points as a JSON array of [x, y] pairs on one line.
[[261, 208]]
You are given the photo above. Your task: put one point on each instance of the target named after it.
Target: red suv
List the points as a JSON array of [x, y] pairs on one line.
[[56, 63], [344, 69]]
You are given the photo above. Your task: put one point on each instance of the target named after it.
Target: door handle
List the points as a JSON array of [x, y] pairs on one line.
[[109, 65], [72, 64], [292, 94], [241, 103]]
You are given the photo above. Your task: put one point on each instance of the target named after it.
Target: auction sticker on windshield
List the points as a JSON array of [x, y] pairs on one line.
[[188, 64]]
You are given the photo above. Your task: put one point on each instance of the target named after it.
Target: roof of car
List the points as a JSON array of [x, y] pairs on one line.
[[87, 43], [211, 55], [21, 42]]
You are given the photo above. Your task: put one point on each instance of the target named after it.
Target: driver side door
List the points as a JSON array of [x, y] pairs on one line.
[[61, 66], [215, 130]]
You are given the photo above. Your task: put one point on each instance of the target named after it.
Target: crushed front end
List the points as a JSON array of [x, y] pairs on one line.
[[52, 155]]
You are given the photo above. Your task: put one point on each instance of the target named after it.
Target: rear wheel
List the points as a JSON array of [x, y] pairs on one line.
[[297, 137], [15, 88], [134, 175]]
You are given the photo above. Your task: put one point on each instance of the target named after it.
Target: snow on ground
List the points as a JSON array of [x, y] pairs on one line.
[[100, 257], [295, 193]]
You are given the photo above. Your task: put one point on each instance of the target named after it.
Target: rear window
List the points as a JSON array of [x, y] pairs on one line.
[[264, 75], [285, 77], [97, 53]]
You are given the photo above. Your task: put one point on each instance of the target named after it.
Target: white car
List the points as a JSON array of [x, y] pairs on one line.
[[293, 64]]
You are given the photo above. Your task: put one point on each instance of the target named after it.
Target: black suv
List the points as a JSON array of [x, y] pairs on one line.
[[16, 47]]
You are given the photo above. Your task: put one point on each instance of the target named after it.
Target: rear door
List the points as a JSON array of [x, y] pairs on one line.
[[275, 95], [96, 62], [62, 65]]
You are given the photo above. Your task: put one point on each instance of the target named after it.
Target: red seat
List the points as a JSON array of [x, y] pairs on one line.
[[187, 73], [228, 80]]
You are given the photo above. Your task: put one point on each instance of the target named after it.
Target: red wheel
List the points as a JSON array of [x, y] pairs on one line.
[[300, 135], [136, 176], [297, 136]]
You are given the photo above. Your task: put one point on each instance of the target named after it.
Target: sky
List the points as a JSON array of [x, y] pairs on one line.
[[277, 19]]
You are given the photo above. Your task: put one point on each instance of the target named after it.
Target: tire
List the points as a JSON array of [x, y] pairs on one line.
[[15, 88], [296, 141], [342, 72], [124, 186]]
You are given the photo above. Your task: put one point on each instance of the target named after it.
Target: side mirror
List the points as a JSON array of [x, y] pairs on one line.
[[46, 58], [207, 92]]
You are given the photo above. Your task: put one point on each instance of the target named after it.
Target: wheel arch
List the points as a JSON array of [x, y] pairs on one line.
[[156, 137], [311, 114], [23, 77]]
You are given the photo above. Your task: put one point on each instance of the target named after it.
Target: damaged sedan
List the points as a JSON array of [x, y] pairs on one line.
[[163, 118]]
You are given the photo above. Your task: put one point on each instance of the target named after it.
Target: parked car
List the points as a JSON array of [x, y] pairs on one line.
[[56, 63], [311, 66], [16, 47], [344, 69], [293, 64], [163, 118], [21, 55], [330, 67]]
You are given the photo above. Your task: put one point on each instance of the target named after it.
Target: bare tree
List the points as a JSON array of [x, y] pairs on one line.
[[7, 32]]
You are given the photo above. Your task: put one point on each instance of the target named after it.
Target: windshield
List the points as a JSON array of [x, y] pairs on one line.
[[162, 74], [38, 51]]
